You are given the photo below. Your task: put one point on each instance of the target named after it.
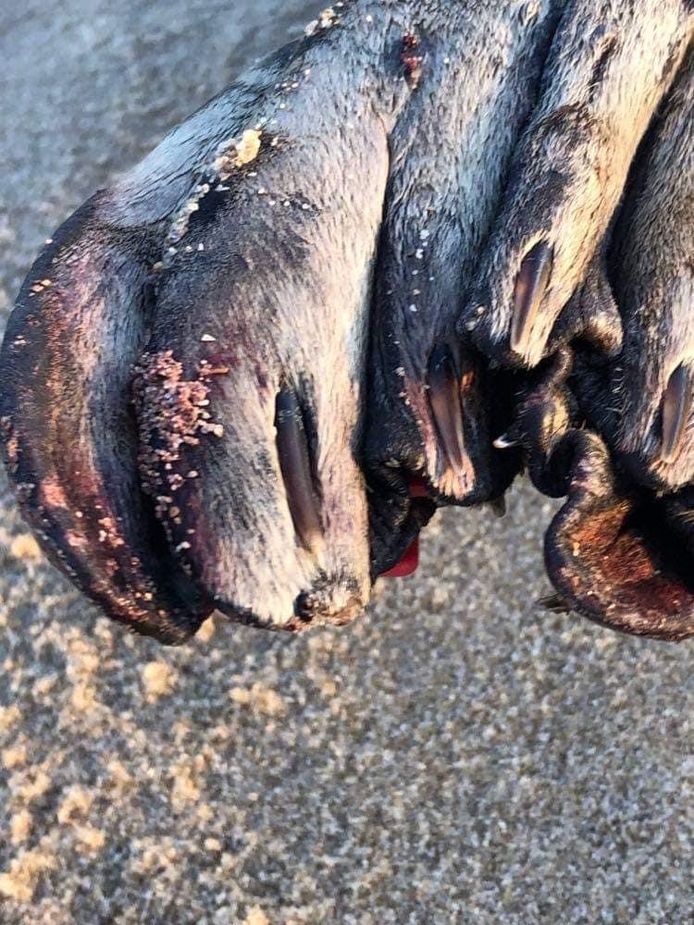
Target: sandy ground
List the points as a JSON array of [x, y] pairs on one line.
[[456, 756]]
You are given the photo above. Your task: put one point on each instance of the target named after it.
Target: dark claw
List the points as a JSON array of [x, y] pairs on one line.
[[445, 401], [531, 285], [295, 464], [505, 442], [676, 407], [554, 603]]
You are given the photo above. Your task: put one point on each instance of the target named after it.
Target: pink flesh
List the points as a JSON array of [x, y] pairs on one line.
[[408, 565], [418, 488]]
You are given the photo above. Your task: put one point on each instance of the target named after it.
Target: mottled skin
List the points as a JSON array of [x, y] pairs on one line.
[[245, 375]]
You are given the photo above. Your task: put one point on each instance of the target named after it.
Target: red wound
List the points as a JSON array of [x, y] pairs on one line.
[[411, 60], [408, 565]]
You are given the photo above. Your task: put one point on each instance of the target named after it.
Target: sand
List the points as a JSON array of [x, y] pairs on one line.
[[456, 756]]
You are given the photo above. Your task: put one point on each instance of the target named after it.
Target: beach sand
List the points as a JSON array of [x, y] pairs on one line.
[[458, 755]]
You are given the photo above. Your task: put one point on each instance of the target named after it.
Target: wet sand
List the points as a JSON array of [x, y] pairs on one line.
[[456, 756]]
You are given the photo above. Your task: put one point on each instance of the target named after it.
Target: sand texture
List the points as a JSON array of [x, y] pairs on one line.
[[456, 756]]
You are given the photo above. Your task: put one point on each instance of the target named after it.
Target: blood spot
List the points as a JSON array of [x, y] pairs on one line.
[[411, 61]]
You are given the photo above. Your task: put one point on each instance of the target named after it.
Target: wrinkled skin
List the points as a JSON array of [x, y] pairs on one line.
[[245, 376], [622, 550]]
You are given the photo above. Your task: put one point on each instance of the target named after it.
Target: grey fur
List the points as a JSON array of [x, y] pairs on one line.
[[608, 69], [654, 287]]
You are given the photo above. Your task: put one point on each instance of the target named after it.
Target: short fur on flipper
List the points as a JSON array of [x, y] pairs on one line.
[[642, 402], [69, 442], [608, 69]]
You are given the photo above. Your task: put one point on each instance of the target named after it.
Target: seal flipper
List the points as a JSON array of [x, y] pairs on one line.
[[250, 396], [69, 440], [642, 402], [623, 554], [78, 328], [614, 555], [608, 70], [435, 408]]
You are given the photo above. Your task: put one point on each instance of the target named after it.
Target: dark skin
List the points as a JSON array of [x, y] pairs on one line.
[[404, 258]]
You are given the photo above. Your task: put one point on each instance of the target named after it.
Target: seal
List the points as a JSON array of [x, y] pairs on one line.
[[245, 376]]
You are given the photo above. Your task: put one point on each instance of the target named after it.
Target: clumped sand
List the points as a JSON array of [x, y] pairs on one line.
[[456, 756]]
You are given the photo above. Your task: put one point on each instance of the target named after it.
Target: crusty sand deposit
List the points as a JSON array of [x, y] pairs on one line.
[[456, 756]]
